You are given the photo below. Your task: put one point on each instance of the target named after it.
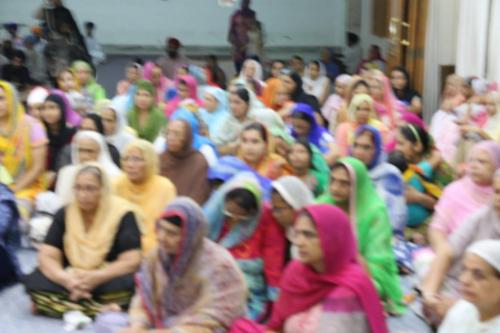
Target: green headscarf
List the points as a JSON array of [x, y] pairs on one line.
[[94, 89], [156, 119], [374, 233]]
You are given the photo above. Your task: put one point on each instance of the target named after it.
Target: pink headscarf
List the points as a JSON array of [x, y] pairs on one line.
[[390, 105], [302, 288], [463, 196], [165, 83], [191, 84], [72, 118]]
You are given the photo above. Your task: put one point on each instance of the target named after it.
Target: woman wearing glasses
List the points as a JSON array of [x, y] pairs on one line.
[[238, 222], [90, 253]]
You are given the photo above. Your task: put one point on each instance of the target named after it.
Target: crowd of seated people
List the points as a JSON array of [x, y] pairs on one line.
[[283, 199]]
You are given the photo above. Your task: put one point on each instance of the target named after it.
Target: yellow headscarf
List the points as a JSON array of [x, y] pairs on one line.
[[151, 196], [87, 249]]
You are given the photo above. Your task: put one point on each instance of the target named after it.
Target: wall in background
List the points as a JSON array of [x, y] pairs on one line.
[[197, 22]]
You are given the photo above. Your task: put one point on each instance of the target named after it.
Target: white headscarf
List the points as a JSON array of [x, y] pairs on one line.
[[37, 96], [488, 250], [122, 137], [293, 191], [258, 70], [68, 173]]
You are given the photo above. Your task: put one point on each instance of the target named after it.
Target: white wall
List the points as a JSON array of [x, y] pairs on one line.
[[367, 38], [197, 22]]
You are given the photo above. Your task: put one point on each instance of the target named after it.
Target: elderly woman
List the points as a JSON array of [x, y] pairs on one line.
[[86, 146], [479, 310], [90, 252], [142, 186], [326, 289], [442, 281], [177, 290], [215, 109], [352, 190], [463, 197], [237, 221], [186, 167]]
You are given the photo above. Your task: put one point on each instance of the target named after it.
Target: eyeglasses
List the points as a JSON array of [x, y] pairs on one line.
[[87, 151], [236, 217]]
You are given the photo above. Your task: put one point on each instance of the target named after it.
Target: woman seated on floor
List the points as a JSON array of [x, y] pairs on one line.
[[142, 186], [352, 190], [90, 253], [238, 222], [479, 310], [441, 286], [327, 289], [188, 283]]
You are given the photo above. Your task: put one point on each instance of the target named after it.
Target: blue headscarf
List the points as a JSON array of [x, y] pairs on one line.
[[316, 132], [378, 157], [214, 211], [229, 166], [215, 118], [198, 140]]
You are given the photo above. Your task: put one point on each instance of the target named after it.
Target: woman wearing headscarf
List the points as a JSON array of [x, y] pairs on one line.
[[93, 122], [288, 197], [361, 112], [352, 190], [72, 117], [400, 83], [251, 73], [235, 220], [387, 106], [90, 253], [87, 146], [242, 107], [186, 167], [463, 197], [308, 165], [304, 126], [478, 311], [187, 88], [336, 102], [142, 186], [316, 82], [153, 72], [215, 109], [25, 150], [256, 150], [145, 118], [200, 142], [176, 289], [387, 178], [273, 85], [35, 101], [115, 126], [443, 277], [326, 289], [60, 134], [86, 80]]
